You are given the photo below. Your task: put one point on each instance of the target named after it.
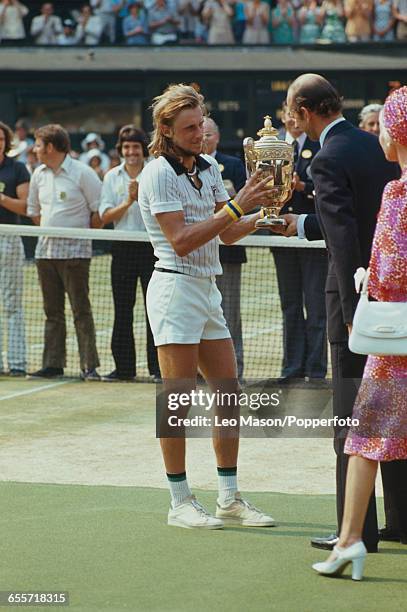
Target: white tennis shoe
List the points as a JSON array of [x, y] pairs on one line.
[[191, 515], [242, 512]]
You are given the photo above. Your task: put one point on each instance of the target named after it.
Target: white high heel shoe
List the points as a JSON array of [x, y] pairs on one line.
[[355, 554]]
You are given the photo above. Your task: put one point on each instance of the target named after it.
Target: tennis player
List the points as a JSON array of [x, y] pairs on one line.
[[186, 209]]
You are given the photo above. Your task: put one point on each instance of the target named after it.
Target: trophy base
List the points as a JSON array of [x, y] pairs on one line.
[[269, 222]]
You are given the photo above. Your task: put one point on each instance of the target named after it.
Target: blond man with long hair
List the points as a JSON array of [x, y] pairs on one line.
[[186, 209]]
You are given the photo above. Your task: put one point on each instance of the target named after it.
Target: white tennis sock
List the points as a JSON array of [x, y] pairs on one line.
[[179, 488], [227, 479]]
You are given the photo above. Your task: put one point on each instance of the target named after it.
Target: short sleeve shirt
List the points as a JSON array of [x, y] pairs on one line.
[[65, 198], [12, 174], [114, 192], [165, 187]]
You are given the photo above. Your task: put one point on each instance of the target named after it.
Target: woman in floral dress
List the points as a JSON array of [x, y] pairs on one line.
[[381, 405]]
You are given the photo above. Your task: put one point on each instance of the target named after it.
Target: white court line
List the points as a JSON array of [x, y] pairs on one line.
[[29, 391]]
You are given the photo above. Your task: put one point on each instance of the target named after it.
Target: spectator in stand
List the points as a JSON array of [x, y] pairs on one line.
[[283, 21], [12, 29], [94, 141], [400, 14], [359, 20], [135, 25], [201, 26], [369, 118], [114, 159], [257, 15], [64, 193], [89, 30], [31, 162], [46, 28], [94, 160], [188, 11], [106, 11], [121, 9], [163, 22], [310, 20], [239, 20], [332, 14], [383, 20], [218, 14], [14, 182], [21, 131], [68, 36]]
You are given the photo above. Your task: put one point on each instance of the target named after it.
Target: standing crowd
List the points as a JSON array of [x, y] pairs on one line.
[[65, 192], [212, 22]]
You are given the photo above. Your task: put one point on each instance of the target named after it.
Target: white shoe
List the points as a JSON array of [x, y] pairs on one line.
[[240, 511], [191, 515], [355, 554]]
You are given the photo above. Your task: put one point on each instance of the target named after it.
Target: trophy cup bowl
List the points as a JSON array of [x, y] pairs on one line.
[[275, 159]]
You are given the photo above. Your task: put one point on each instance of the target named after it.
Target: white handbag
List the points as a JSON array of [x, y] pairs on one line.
[[379, 328]]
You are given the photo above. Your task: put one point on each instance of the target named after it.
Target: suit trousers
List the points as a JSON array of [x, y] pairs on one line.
[[131, 261], [301, 275], [347, 371], [229, 284], [394, 477], [71, 276]]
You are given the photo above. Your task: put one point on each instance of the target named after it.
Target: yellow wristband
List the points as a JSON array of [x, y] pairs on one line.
[[231, 212], [235, 209], [238, 208]]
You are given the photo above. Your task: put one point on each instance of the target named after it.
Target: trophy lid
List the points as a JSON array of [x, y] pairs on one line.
[[268, 129], [268, 136]]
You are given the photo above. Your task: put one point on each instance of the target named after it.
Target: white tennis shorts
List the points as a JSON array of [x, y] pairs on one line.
[[184, 309]]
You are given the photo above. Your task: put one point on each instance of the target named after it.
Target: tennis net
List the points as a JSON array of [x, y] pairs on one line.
[[263, 335]]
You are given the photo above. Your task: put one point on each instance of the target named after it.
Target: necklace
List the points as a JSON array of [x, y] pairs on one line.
[[193, 171]]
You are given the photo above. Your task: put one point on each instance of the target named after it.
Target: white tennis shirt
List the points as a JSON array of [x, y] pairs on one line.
[[114, 192], [165, 187]]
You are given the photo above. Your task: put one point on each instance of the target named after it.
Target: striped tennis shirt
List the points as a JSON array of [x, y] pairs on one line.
[[166, 187]]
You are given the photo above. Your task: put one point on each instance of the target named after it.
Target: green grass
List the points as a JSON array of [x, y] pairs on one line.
[[111, 549]]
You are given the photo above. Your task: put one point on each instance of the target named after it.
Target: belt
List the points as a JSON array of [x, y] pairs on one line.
[[167, 270]]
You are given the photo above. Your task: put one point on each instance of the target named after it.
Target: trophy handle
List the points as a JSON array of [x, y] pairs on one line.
[[250, 156]]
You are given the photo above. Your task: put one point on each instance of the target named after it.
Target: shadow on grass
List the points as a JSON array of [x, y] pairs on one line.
[[378, 579], [394, 551], [278, 531], [328, 528]]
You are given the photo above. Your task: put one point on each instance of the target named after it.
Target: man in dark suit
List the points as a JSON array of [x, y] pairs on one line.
[[349, 175], [231, 257], [301, 274]]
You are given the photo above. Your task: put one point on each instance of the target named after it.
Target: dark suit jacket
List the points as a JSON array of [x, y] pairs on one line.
[[349, 174], [233, 170], [302, 202]]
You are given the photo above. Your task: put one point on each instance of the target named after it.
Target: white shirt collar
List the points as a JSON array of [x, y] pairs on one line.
[[301, 139], [327, 128], [121, 169], [66, 165]]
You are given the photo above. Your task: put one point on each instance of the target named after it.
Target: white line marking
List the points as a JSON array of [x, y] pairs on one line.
[[29, 391]]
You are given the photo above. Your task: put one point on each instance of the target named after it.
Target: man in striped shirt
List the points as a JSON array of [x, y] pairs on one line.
[[185, 209]]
